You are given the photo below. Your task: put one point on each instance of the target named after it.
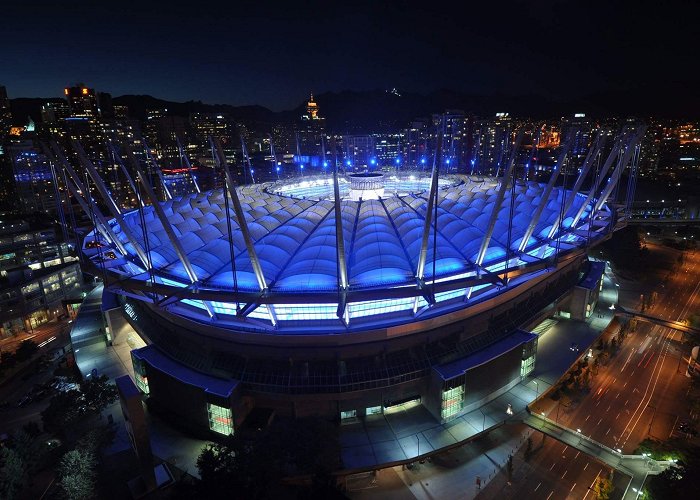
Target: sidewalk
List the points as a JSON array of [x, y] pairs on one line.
[[452, 474]]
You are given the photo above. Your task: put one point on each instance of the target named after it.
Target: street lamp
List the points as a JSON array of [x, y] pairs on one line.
[[509, 410]]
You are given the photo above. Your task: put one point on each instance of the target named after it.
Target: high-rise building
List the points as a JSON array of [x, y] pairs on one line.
[[493, 143], [416, 143], [310, 129], [82, 101], [579, 130], [453, 124], [38, 274], [54, 111], [387, 149], [5, 114], [359, 152], [34, 183]]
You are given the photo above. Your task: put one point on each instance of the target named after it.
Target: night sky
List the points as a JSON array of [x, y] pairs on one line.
[[239, 53]]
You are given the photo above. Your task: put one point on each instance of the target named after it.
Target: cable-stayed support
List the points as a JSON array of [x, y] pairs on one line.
[[156, 167], [617, 173], [242, 223], [499, 200], [188, 165], [82, 195], [546, 194], [124, 170], [614, 152], [592, 154], [423, 255], [111, 205]]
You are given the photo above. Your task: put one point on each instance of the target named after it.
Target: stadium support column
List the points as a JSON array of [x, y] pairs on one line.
[[242, 223], [117, 159], [187, 163], [632, 181], [82, 195], [246, 159], [497, 207], [617, 173], [174, 241], [603, 172], [111, 205], [340, 245], [592, 153], [499, 201], [546, 194], [156, 167], [423, 255]]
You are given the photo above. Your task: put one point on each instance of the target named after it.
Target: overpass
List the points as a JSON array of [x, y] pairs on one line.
[[638, 467], [653, 221], [676, 325]]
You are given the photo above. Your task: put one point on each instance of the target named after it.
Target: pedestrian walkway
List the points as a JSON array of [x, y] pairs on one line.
[[638, 467], [459, 473]]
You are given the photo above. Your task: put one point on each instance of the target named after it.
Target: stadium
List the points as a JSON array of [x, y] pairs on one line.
[[348, 294]]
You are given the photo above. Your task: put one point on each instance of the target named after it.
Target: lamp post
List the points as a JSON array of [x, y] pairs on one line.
[[537, 389]]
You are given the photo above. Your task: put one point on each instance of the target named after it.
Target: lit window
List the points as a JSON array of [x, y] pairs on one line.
[[452, 402], [220, 419]]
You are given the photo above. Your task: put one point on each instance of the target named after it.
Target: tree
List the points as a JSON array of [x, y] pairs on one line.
[[251, 466], [7, 359], [63, 412], [602, 488], [68, 408], [528, 448], [26, 350], [98, 393], [13, 476], [77, 472]]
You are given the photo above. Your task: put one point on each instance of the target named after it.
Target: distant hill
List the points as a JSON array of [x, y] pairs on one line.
[[381, 110], [138, 104]]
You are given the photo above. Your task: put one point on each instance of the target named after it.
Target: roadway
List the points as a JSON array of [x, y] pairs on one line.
[[553, 471], [42, 333], [640, 393]]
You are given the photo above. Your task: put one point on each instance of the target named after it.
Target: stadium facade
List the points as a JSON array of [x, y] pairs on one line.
[[347, 295]]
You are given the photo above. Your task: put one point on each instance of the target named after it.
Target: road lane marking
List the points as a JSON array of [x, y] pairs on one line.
[[673, 428], [562, 476], [550, 495], [652, 355], [590, 488], [538, 486], [552, 466], [572, 488]]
